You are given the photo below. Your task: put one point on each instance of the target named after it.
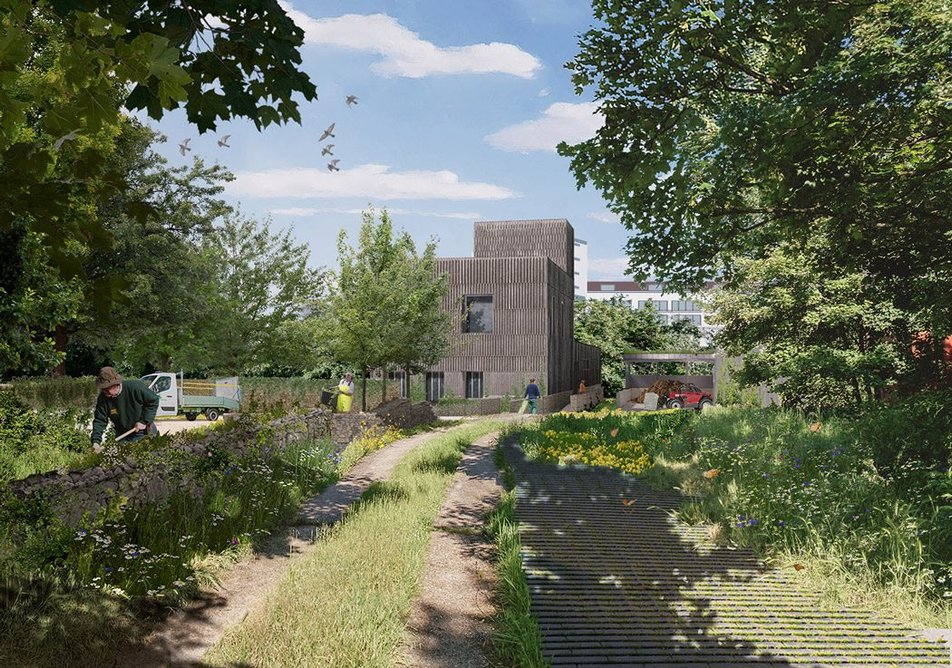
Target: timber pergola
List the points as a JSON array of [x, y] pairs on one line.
[[705, 381]]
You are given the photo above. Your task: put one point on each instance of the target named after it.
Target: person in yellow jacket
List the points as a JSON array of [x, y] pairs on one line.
[[345, 393]]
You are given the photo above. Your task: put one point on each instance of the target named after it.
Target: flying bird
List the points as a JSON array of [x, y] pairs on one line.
[[327, 150], [224, 141], [70, 136], [332, 166], [183, 146], [351, 100], [329, 132]]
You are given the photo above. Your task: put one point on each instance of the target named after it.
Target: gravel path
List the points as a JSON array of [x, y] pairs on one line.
[[187, 634], [449, 622]]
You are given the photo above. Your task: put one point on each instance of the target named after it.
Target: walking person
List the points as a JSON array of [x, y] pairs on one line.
[[345, 393], [127, 404], [532, 396]]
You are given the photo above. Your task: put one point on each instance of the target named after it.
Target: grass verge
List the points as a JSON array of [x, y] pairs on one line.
[[517, 641], [346, 604]]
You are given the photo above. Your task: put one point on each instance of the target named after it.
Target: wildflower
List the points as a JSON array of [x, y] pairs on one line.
[[752, 522], [815, 427], [234, 541], [108, 569], [781, 523]]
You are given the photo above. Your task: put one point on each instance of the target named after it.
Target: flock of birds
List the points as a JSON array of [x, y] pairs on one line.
[[328, 133]]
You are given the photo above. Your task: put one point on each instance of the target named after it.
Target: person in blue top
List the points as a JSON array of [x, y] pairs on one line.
[[532, 396]]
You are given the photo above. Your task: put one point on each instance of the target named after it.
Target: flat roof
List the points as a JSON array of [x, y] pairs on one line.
[[668, 357]]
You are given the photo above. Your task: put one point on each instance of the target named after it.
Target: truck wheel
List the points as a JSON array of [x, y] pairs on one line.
[[211, 414], [675, 403], [191, 416], [702, 403]]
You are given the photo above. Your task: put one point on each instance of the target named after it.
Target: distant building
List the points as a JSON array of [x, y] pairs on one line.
[[669, 306], [581, 268], [515, 302]]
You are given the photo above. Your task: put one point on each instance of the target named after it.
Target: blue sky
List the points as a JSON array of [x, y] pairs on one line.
[[460, 106]]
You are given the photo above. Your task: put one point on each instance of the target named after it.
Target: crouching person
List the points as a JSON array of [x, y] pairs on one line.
[[128, 404]]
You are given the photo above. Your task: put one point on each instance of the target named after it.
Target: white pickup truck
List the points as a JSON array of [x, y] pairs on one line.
[[179, 396]]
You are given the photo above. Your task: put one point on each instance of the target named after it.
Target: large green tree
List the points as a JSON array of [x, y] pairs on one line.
[[615, 328], [262, 282], [822, 341], [161, 280], [733, 126]]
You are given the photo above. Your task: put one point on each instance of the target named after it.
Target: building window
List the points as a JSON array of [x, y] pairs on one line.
[[607, 287], [474, 384], [655, 287], [693, 317], [683, 305], [399, 377], [434, 385], [658, 304], [477, 314]]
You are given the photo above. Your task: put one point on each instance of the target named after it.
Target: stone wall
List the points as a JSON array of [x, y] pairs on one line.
[[154, 475], [151, 476]]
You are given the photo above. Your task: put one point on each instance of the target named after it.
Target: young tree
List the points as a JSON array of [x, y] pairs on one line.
[[420, 326], [386, 301]]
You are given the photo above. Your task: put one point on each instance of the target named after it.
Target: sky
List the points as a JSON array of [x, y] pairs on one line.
[[460, 106]]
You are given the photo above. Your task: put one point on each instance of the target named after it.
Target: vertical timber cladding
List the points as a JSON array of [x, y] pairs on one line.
[[561, 330], [516, 348], [553, 238]]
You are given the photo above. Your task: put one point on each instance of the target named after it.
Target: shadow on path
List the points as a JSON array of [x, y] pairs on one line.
[[616, 580]]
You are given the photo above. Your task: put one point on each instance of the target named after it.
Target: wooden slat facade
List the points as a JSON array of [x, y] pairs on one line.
[[527, 268]]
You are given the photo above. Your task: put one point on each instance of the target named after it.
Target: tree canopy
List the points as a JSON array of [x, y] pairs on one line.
[[732, 126], [386, 299]]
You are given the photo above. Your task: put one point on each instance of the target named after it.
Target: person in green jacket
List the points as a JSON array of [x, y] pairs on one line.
[[127, 403]]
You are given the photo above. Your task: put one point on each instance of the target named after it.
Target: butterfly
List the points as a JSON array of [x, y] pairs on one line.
[[614, 432], [628, 502], [712, 473], [815, 427], [798, 567]]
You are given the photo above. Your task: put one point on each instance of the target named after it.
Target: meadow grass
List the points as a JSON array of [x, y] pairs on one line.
[[861, 503], [517, 640], [346, 603]]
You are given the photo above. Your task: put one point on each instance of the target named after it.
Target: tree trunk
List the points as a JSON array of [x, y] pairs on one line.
[[406, 379], [363, 390], [61, 338], [383, 387]]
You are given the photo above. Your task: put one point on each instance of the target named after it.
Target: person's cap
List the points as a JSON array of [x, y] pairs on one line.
[[107, 378]]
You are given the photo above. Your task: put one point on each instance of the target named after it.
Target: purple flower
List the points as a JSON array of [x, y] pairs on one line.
[[753, 521], [108, 569], [781, 523]]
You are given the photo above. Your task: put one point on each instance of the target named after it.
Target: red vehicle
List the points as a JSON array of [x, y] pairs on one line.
[[688, 395]]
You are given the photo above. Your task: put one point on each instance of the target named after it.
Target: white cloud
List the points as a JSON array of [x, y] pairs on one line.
[[604, 216], [607, 268], [405, 54], [365, 181], [310, 211], [562, 121]]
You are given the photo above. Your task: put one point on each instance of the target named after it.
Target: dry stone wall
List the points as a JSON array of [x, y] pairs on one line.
[[151, 476]]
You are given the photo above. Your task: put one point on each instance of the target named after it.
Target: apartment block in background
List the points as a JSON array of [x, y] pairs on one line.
[[669, 306]]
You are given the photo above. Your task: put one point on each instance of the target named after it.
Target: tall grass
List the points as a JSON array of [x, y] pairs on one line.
[[40, 440], [157, 554], [346, 603], [517, 640], [866, 498]]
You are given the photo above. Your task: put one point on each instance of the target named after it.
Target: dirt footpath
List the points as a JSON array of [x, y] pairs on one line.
[[449, 624]]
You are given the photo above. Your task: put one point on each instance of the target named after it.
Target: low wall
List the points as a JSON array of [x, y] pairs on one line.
[[154, 475], [591, 397]]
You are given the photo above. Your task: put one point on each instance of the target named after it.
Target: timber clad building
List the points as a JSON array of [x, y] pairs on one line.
[[515, 301]]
